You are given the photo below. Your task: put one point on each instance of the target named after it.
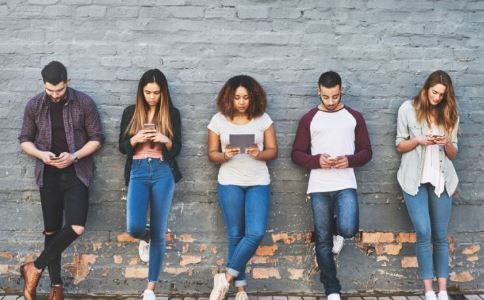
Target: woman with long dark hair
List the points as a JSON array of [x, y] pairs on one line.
[[241, 138], [427, 138], [150, 135]]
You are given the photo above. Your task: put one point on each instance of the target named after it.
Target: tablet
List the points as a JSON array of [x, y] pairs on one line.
[[242, 141]]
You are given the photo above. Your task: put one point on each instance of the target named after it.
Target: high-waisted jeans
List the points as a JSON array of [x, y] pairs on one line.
[[245, 210], [430, 216], [325, 205], [151, 183]]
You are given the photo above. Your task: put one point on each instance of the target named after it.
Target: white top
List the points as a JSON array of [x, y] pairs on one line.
[[411, 166], [332, 133], [431, 165], [242, 169]]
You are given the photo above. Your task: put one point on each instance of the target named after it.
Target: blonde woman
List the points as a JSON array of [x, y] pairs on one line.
[[427, 138]]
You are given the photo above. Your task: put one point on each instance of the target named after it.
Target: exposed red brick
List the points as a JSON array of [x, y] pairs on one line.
[[134, 261], [214, 249], [6, 255], [262, 260], [136, 272], [451, 245], [96, 246], [118, 259], [392, 249], [175, 271], [472, 258], [189, 259], [474, 248], [461, 277], [266, 250], [295, 274], [409, 262], [308, 237], [185, 248], [379, 248], [80, 266], [286, 238], [202, 247], [169, 237], [382, 258], [406, 237], [3, 269], [126, 238], [186, 238], [376, 237], [265, 273]]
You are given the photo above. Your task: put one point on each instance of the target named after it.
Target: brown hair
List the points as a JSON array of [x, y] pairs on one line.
[[161, 119], [446, 111], [257, 96]]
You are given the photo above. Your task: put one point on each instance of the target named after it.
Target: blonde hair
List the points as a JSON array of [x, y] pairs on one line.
[[446, 111]]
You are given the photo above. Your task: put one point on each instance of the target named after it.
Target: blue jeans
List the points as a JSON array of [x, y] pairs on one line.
[[245, 210], [430, 216], [343, 204], [151, 183]]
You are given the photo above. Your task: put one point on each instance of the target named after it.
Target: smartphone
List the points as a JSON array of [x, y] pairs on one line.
[[55, 158], [149, 126]]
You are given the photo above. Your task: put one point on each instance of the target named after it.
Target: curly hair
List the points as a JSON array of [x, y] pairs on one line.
[[257, 96]]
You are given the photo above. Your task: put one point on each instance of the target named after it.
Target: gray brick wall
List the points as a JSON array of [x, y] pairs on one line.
[[383, 49]]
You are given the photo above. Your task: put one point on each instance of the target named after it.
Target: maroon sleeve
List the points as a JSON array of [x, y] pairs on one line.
[[363, 152], [301, 149]]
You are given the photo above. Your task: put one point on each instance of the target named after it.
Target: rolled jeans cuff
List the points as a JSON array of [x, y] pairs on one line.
[[233, 272], [240, 283]]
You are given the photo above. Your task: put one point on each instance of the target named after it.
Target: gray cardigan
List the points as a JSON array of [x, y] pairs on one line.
[[410, 171]]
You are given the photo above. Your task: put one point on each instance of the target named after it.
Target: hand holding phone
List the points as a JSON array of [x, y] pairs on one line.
[[150, 128]]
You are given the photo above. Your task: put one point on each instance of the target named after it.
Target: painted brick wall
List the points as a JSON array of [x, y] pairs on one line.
[[383, 49]]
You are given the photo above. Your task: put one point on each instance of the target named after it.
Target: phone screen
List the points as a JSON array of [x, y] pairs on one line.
[[149, 126]]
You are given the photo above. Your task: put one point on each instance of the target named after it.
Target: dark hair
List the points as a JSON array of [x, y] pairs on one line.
[[329, 79], [162, 118], [54, 72], [257, 96], [446, 110]]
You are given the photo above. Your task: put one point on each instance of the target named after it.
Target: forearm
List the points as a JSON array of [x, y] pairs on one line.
[[217, 157], [450, 151], [407, 145], [30, 149], [306, 160], [267, 154], [88, 149]]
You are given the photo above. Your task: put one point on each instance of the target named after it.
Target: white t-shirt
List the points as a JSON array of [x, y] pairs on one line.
[[332, 133], [431, 166], [242, 169]]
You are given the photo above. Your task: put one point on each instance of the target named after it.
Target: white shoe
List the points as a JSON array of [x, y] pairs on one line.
[[334, 296], [442, 295], [241, 296], [338, 242], [220, 287], [149, 295], [144, 251], [430, 295]]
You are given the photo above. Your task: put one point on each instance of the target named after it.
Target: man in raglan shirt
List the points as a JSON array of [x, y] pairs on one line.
[[331, 140]]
